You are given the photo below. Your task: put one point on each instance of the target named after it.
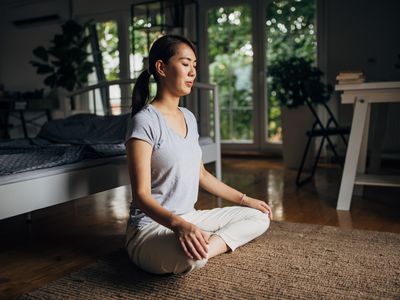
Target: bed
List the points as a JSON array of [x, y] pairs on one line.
[[88, 159]]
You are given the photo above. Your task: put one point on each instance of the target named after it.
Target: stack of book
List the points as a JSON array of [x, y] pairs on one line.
[[350, 77]]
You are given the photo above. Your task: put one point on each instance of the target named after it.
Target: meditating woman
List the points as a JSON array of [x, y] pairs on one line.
[[165, 233]]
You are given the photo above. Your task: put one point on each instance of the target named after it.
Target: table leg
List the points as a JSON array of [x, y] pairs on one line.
[[362, 160], [352, 154]]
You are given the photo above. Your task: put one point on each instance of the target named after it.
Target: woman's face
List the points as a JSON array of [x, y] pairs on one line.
[[180, 71]]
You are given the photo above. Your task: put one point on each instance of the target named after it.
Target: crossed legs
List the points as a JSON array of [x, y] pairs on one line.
[[156, 249]]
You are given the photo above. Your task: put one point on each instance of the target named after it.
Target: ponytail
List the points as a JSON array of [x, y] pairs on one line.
[[140, 94]]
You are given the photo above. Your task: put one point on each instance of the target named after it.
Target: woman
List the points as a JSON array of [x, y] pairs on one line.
[[165, 234]]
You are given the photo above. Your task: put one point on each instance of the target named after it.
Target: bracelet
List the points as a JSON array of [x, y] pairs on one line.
[[242, 199]]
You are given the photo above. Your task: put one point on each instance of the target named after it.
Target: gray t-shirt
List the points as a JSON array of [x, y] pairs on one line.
[[175, 162]]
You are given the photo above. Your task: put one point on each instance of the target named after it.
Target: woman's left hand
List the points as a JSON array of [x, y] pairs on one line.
[[258, 204]]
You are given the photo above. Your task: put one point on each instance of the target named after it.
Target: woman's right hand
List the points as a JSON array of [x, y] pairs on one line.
[[194, 242]]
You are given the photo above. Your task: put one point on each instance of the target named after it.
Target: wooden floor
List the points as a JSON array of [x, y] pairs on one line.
[[66, 237]]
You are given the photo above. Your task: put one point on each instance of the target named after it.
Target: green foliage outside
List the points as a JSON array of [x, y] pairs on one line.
[[231, 59], [141, 39], [290, 32], [108, 43]]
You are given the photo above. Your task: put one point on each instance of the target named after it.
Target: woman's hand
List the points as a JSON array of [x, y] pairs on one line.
[[258, 204], [194, 242]]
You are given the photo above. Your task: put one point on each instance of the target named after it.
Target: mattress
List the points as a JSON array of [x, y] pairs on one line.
[[81, 165], [22, 156]]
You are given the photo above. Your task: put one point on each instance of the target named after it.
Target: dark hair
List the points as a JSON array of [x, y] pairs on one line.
[[162, 49]]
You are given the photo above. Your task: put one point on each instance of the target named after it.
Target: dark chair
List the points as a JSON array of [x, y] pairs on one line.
[[318, 129]]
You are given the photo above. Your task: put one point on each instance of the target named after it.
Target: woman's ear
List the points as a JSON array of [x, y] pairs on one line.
[[160, 68]]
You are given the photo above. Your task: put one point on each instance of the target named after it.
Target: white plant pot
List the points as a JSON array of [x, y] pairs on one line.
[[295, 123]]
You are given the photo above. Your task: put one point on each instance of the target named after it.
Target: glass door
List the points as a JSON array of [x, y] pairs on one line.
[[244, 39], [230, 55], [290, 31]]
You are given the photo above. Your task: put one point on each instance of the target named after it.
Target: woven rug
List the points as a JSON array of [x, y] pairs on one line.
[[290, 261]]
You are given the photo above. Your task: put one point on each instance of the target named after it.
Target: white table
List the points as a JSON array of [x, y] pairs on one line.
[[362, 96]]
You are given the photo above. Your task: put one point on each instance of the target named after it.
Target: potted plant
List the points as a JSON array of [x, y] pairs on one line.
[[293, 81], [65, 63]]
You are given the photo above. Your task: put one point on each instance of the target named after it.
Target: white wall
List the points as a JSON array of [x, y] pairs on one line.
[[16, 73], [17, 43], [363, 35]]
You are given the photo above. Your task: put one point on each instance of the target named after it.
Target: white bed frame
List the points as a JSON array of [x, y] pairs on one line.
[[29, 191]]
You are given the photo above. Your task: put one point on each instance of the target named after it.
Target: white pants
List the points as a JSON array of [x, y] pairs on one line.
[[156, 249]]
